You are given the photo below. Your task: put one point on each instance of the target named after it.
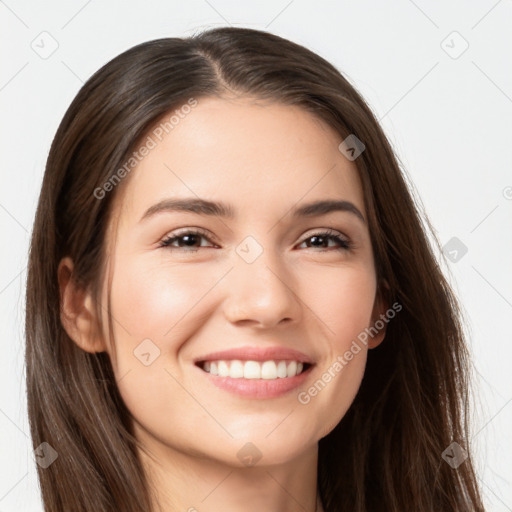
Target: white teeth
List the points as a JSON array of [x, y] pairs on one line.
[[236, 369], [252, 370], [268, 370], [223, 369], [292, 369], [281, 370]]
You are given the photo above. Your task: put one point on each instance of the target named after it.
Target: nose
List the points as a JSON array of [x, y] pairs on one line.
[[262, 293]]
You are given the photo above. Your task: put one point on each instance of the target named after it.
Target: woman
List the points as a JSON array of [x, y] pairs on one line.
[[232, 303]]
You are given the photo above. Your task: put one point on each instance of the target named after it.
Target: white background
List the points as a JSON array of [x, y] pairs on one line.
[[449, 120]]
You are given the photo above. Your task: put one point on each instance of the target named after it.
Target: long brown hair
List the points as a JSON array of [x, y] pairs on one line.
[[386, 452]]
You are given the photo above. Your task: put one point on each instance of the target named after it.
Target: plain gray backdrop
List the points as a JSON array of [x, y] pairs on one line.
[[437, 75]]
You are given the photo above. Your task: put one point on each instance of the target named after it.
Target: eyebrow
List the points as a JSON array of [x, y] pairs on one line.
[[220, 209]]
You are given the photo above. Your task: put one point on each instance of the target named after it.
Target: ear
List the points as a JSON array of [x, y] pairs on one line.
[[379, 320], [77, 312]]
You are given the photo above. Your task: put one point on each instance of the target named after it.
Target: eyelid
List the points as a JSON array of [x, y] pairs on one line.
[[206, 233], [326, 230], [184, 231]]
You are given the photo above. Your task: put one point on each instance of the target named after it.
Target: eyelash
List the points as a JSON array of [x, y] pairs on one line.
[[345, 244]]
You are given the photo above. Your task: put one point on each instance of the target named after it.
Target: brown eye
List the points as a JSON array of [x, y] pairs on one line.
[[189, 239], [319, 240]]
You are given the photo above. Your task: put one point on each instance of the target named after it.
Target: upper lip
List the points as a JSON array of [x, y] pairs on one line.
[[248, 353]]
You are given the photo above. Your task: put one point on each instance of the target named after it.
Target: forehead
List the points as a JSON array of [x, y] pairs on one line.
[[242, 151]]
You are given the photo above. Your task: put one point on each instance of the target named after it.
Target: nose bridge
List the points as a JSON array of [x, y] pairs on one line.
[[260, 288]]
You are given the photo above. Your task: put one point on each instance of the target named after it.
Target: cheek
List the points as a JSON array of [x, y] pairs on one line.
[[154, 310], [149, 301], [344, 304], [342, 300]]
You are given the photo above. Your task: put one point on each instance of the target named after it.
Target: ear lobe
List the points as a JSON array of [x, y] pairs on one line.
[[380, 307], [77, 312]]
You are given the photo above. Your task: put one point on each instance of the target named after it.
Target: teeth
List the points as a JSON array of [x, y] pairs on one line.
[[223, 369], [268, 370], [236, 370], [252, 370], [281, 369]]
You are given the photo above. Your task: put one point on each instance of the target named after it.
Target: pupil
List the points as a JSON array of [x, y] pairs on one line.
[[189, 239], [316, 238]]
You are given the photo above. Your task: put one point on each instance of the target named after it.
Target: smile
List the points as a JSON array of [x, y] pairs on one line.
[[256, 379], [267, 370]]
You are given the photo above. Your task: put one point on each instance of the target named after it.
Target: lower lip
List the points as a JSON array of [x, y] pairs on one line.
[[258, 388]]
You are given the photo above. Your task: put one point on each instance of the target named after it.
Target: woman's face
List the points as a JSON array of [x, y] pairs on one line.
[[263, 280]]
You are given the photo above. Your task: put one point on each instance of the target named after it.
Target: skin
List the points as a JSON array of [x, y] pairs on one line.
[[264, 159]]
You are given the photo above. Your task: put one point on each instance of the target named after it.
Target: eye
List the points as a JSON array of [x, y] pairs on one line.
[[324, 237], [189, 238]]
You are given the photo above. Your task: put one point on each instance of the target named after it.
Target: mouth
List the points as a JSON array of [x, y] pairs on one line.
[[251, 379], [254, 370]]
